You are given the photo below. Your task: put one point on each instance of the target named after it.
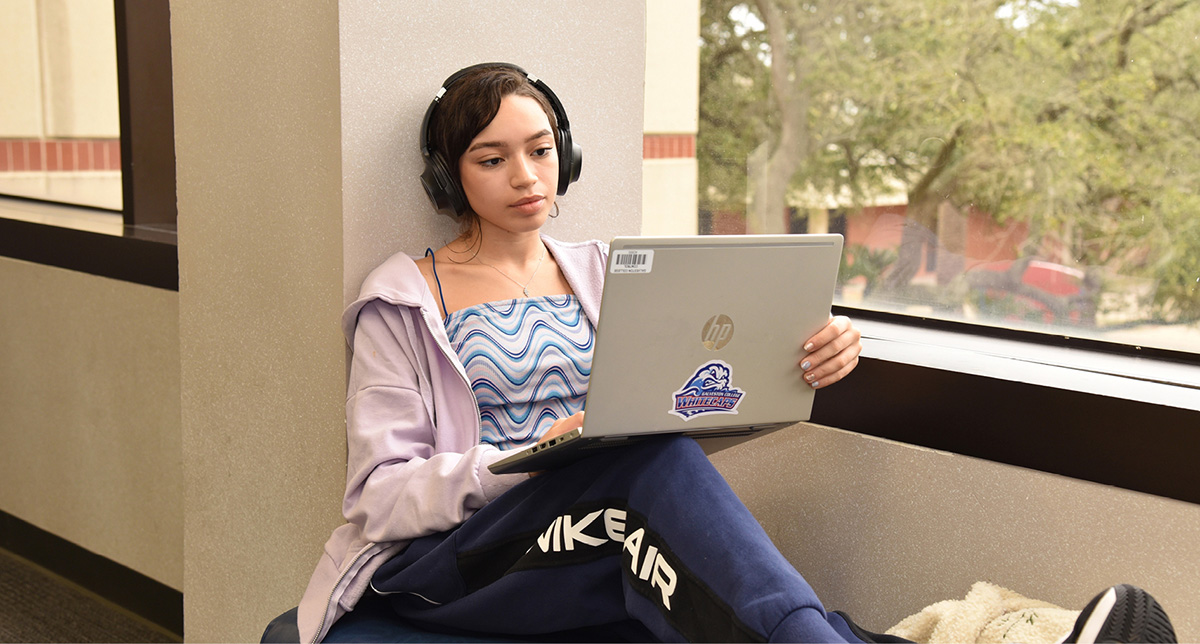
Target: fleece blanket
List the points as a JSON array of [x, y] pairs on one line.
[[988, 614]]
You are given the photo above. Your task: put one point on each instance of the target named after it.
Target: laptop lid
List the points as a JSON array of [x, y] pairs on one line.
[[702, 336], [704, 333]]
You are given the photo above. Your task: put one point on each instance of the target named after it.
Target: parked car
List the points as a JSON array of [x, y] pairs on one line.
[[1034, 290]]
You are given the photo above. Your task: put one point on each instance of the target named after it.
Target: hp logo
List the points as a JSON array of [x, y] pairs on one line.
[[717, 332]]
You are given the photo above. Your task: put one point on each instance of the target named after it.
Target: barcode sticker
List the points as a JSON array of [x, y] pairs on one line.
[[632, 261]]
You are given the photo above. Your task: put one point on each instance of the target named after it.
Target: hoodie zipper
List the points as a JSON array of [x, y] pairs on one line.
[[333, 591], [458, 369], [325, 615]]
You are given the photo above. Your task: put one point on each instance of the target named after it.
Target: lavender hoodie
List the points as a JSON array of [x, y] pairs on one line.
[[415, 465]]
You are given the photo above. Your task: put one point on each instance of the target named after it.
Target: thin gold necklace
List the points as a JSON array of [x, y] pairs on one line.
[[524, 287]]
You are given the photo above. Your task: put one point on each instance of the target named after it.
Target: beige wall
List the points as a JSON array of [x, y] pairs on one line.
[[260, 255], [672, 83], [289, 163], [669, 200], [59, 77], [672, 66], [79, 67], [89, 414], [881, 530], [394, 59], [20, 76]]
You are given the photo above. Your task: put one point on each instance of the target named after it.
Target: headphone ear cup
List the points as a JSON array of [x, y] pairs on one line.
[[570, 164], [443, 191]]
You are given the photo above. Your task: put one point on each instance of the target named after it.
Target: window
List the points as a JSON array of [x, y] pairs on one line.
[[59, 123], [85, 78], [1031, 167], [1015, 186]]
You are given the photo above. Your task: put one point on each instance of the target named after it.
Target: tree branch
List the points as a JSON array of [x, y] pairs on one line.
[[1140, 19]]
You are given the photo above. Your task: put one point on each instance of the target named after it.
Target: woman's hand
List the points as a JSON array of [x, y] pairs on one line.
[[832, 353], [562, 426]]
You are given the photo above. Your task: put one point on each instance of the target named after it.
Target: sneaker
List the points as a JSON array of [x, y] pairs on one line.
[[1122, 614]]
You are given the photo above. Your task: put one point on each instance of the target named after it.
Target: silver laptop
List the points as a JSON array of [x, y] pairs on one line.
[[699, 335]]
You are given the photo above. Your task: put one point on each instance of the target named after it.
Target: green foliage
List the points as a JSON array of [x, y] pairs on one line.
[[734, 112], [1081, 119], [860, 261]]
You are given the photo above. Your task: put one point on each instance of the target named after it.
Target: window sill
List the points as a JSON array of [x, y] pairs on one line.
[[1144, 379], [90, 241], [1125, 421]]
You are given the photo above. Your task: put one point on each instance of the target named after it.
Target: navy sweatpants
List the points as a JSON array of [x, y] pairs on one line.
[[645, 541]]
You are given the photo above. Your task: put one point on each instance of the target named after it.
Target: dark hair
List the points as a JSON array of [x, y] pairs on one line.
[[470, 104]]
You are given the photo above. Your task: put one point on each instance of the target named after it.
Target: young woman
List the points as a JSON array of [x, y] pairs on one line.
[[483, 345]]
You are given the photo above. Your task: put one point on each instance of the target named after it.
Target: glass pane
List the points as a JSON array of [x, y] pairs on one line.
[[1033, 166], [59, 122]]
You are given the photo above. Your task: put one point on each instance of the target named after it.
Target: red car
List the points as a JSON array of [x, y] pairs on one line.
[[1034, 290]]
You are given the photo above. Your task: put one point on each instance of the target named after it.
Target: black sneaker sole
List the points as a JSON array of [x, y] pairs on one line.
[[1123, 614]]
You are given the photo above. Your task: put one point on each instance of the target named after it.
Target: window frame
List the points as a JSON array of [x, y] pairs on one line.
[[1120, 433], [147, 250], [1056, 427], [1086, 435]]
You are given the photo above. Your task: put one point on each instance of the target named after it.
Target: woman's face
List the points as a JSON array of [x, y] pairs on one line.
[[510, 170]]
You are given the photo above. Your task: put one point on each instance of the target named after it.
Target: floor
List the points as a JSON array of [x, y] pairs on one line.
[[39, 606]]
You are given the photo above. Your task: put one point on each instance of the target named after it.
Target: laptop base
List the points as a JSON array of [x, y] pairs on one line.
[[572, 446]]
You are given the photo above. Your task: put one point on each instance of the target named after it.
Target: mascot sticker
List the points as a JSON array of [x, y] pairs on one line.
[[709, 391]]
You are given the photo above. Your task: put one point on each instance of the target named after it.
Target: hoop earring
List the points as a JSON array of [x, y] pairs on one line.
[[555, 215]]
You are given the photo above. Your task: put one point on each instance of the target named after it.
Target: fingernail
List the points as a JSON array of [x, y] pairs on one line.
[[809, 377], [814, 385], [805, 365], [808, 347]]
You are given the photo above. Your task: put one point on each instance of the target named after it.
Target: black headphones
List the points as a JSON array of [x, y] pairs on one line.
[[446, 193]]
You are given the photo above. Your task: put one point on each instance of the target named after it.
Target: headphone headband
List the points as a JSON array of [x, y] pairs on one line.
[[445, 192]]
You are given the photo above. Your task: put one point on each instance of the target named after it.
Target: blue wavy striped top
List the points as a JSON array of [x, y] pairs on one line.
[[528, 361]]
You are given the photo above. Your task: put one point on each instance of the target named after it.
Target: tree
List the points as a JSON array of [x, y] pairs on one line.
[[734, 112], [1081, 120]]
